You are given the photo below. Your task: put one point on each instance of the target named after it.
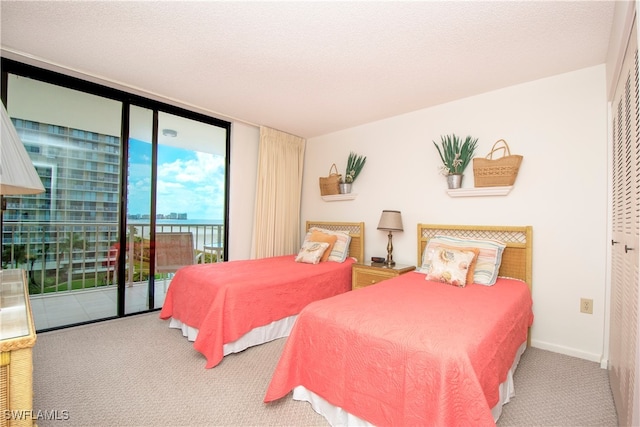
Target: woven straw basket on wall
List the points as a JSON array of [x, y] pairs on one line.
[[496, 172], [330, 185]]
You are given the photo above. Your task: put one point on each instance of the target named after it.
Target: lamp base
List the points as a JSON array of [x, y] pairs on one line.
[[389, 262]]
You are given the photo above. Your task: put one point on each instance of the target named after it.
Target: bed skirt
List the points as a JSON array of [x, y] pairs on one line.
[[337, 416], [260, 335]]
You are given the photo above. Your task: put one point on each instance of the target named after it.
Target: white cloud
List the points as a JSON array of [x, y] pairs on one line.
[[193, 186]]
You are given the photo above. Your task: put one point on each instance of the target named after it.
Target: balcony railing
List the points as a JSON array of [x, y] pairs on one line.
[[66, 256]]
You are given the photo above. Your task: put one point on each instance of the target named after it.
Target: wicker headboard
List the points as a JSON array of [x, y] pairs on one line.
[[355, 229], [516, 258]]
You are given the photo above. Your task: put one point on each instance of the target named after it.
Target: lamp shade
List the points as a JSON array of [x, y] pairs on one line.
[[390, 220], [17, 173]]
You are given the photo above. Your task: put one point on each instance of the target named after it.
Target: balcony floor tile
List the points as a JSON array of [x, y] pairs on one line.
[[68, 308]]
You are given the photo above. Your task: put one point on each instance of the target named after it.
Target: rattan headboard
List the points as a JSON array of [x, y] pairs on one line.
[[355, 229], [516, 258]]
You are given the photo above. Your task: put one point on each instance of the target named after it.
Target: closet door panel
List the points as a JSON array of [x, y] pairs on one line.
[[625, 235]]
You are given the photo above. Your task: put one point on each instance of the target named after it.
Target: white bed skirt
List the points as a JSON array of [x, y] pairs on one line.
[[337, 416], [257, 336]]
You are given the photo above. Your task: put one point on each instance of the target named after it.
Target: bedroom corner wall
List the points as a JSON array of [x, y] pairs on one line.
[[559, 125]]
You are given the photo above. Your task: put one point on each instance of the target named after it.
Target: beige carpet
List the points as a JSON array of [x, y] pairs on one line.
[[137, 372]]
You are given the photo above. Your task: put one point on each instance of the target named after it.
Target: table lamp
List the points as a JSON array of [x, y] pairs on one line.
[[390, 221]]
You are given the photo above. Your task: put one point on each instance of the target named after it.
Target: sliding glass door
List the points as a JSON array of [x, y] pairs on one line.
[[176, 178], [62, 238], [117, 169]]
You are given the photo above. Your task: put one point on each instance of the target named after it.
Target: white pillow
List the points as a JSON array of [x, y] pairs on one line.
[[311, 252]]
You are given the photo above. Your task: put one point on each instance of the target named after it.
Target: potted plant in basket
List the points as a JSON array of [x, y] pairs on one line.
[[355, 163], [455, 156]]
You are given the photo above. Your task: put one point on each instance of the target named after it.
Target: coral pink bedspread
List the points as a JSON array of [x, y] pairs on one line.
[[407, 351], [226, 300]]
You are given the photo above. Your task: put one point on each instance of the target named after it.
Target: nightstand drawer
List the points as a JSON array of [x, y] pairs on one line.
[[366, 278], [369, 274]]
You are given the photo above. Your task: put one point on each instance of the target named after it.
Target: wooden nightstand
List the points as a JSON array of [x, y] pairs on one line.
[[369, 273]]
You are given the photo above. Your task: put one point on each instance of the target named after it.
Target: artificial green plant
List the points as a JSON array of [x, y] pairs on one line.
[[455, 154]]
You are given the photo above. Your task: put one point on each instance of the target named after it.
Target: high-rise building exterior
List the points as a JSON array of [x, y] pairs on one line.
[[76, 217]]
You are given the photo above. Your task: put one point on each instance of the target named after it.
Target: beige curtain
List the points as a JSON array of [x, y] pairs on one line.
[[276, 226]]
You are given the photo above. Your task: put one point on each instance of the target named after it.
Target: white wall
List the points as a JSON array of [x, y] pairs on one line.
[[245, 140], [559, 125]]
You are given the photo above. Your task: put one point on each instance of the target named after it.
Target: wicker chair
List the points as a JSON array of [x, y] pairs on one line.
[[173, 251]]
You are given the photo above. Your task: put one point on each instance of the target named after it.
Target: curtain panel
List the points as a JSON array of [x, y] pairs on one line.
[[276, 226]]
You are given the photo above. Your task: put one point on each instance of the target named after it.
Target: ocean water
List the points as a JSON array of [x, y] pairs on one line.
[[204, 238], [178, 221]]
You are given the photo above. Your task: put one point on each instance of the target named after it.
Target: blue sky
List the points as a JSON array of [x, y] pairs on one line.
[[188, 181]]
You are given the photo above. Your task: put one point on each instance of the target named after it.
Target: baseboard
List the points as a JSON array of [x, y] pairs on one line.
[[592, 357], [604, 363]]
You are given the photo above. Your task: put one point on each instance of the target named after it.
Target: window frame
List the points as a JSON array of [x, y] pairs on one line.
[[13, 67]]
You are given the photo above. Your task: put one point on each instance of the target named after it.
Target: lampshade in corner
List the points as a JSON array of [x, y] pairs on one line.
[[17, 173]]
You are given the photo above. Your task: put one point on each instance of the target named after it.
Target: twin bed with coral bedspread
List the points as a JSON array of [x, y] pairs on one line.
[[227, 307], [413, 350]]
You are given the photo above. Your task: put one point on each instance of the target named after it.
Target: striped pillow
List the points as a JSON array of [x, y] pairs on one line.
[[487, 262]]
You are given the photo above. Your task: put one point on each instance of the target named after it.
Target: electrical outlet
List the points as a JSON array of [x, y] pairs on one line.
[[586, 305]]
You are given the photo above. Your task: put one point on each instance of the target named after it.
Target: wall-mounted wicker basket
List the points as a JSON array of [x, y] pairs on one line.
[[330, 185], [503, 171]]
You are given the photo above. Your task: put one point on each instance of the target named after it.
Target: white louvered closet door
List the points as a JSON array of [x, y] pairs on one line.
[[625, 233]]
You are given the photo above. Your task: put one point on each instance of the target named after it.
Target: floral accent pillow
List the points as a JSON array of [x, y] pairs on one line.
[[451, 266], [488, 260], [430, 252], [311, 252]]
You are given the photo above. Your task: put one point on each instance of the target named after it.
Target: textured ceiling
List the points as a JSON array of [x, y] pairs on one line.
[[310, 68]]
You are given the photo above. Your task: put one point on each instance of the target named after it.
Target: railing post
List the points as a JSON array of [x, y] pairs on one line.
[[130, 257]]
